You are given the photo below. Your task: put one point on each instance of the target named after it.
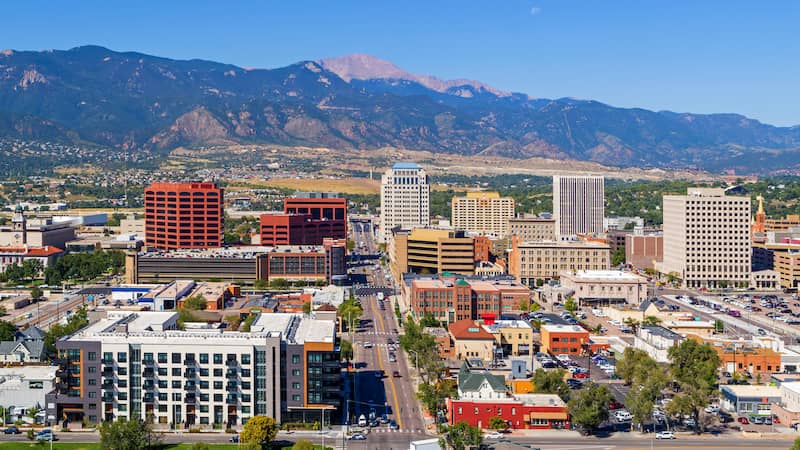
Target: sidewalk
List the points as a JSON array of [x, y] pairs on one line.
[[545, 433]]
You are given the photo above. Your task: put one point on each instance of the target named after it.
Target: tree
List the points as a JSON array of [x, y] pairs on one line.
[[429, 321], [301, 283], [195, 303], [651, 320], [259, 430], [260, 284], [633, 361], [303, 444], [346, 350], [694, 366], [552, 382], [7, 331], [307, 308], [719, 326], [570, 305], [14, 273], [497, 423], [350, 310], [32, 268], [796, 445], [433, 395], [78, 320], [632, 323], [248, 322], [650, 380], [233, 321], [460, 436], [279, 283], [589, 408], [618, 257], [524, 305], [36, 293], [3, 311], [134, 434]]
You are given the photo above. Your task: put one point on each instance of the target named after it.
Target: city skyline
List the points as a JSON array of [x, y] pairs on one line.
[[705, 58]]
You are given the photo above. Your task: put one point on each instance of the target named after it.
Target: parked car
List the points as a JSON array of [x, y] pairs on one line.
[[234, 439], [615, 405], [580, 375], [45, 435], [743, 420], [665, 435], [357, 437], [11, 430], [712, 409], [494, 435], [396, 374], [393, 425]]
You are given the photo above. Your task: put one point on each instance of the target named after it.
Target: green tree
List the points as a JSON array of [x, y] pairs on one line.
[[195, 303], [259, 430], [719, 326], [78, 320], [618, 257], [433, 395], [32, 268], [260, 284], [694, 366], [36, 293], [279, 283], [589, 408], [3, 311], [632, 362], [570, 305], [429, 321], [460, 436], [632, 323], [350, 310], [346, 350], [248, 322], [307, 308], [796, 445], [134, 434], [15, 273], [651, 320], [233, 320], [303, 444], [7, 331], [551, 382], [524, 305], [649, 381], [497, 423]]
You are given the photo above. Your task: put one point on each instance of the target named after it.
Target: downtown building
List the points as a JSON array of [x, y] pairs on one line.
[[483, 213], [305, 221], [405, 199], [543, 260], [183, 215], [707, 238], [578, 205], [142, 365]]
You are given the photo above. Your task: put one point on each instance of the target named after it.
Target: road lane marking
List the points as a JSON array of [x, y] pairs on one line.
[[390, 376]]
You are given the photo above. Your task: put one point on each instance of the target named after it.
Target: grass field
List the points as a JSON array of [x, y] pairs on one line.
[[361, 186]]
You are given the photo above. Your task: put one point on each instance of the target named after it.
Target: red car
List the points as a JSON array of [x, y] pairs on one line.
[[775, 419], [743, 420], [615, 405], [396, 374], [580, 375]]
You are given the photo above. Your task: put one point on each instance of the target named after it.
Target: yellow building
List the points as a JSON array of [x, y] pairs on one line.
[[432, 251], [482, 212], [515, 337]]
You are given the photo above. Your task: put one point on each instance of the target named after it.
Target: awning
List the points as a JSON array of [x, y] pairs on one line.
[[549, 415]]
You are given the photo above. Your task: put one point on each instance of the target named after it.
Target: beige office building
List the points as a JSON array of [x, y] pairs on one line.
[[578, 206], [432, 251], [529, 261], [405, 199], [532, 228], [482, 212], [707, 238]]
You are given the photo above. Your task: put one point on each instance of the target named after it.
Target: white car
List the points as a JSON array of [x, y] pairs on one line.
[[562, 357], [367, 344], [598, 312], [623, 416], [665, 435], [495, 435], [615, 322], [712, 409]]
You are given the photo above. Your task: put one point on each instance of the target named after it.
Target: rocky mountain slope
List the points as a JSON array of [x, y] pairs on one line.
[[134, 101]]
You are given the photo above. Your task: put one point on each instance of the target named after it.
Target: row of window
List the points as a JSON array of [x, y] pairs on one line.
[[176, 358]]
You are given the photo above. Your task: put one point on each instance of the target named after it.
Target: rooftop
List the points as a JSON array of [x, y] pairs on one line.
[[406, 165], [563, 328], [603, 275], [752, 390], [793, 386], [563, 244], [660, 331], [242, 252], [29, 372], [540, 399], [494, 327], [688, 324], [468, 329], [471, 380]]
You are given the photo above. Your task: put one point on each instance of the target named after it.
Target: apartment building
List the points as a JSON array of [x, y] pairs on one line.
[[529, 261], [183, 215], [142, 365], [305, 221], [483, 213], [431, 251], [405, 199], [605, 287], [532, 228], [578, 205], [707, 238]]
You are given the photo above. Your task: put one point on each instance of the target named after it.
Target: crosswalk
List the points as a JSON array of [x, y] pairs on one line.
[[389, 430], [375, 333]]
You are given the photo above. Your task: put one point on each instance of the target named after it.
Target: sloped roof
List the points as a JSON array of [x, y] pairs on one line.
[[469, 380], [32, 333], [468, 329]]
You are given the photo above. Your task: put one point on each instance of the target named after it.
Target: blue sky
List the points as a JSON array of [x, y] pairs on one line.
[[681, 55]]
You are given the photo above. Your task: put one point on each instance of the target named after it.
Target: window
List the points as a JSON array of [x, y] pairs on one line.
[[148, 357], [245, 398], [295, 372], [162, 384], [245, 410], [92, 356], [245, 373], [203, 408], [122, 383], [217, 358], [122, 371], [203, 359], [92, 394], [204, 420], [295, 385], [176, 358], [204, 398], [122, 408], [176, 384], [203, 384], [296, 398], [92, 382], [203, 372], [218, 385], [162, 397], [122, 357], [122, 396], [217, 372], [295, 359], [92, 369], [108, 356], [176, 396], [162, 358], [245, 359], [217, 397], [176, 371], [162, 371]]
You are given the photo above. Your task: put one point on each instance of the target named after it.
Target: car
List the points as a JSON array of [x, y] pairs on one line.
[[234, 439], [357, 437], [374, 423], [392, 358], [712, 409], [393, 425], [756, 420], [623, 416], [689, 423], [379, 374], [396, 374], [384, 418], [562, 357], [767, 421], [45, 435], [11, 430], [580, 375], [665, 435], [494, 435], [574, 384], [659, 416], [362, 420], [743, 420], [615, 405], [615, 322], [367, 344]]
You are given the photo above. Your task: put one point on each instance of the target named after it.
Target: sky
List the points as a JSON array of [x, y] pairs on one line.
[[681, 55]]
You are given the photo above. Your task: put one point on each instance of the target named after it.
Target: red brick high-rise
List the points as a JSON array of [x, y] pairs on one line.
[[305, 221], [183, 215]]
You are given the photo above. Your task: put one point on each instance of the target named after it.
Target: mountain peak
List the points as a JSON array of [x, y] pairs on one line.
[[362, 66]]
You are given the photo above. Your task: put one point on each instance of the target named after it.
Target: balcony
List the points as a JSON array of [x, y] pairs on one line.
[[149, 398], [190, 373], [190, 399], [231, 373], [190, 386], [108, 383], [230, 387], [231, 362], [231, 400], [108, 398]]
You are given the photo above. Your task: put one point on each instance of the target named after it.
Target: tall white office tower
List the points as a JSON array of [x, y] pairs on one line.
[[578, 205], [405, 198]]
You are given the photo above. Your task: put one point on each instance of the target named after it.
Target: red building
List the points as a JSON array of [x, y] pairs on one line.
[[521, 412], [305, 221], [183, 215]]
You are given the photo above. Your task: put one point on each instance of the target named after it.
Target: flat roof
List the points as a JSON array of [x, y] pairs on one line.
[[406, 165], [688, 324], [506, 324], [752, 390], [563, 244], [603, 275], [249, 251], [563, 328], [793, 386], [30, 372], [540, 399]]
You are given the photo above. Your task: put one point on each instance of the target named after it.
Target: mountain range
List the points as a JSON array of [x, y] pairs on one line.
[[131, 101]]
